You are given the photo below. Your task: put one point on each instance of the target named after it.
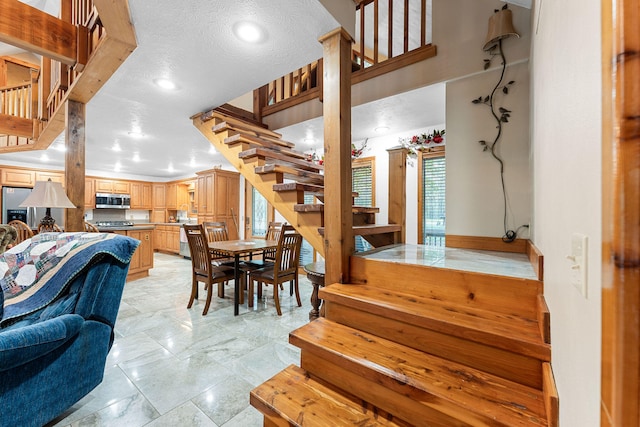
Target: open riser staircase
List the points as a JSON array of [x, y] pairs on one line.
[[416, 345], [283, 176]]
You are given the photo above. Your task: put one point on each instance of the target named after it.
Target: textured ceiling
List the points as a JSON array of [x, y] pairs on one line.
[[195, 47]]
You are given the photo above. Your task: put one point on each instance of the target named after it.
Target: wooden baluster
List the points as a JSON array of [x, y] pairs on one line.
[[376, 12], [362, 35], [423, 23], [390, 48], [406, 26]]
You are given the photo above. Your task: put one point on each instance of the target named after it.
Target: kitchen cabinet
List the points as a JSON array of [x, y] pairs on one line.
[[142, 259], [18, 177], [112, 186], [159, 197], [89, 193], [141, 195], [218, 198], [53, 176], [158, 215], [167, 238], [177, 197]]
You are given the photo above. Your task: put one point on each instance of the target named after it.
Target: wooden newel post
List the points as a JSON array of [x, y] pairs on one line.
[[398, 190], [338, 217], [74, 164]]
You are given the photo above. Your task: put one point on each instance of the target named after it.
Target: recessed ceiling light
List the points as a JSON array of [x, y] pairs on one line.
[[135, 134], [117, 167], [116, 147], [249, 32], [44, 157], [165, 84], [309, 141], [192, 163], [212, 150], [170, 168], [380, 129], [60, 147], [136, 157]]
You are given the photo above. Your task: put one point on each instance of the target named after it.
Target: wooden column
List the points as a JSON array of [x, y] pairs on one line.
[[338, 217], [398, 190], [74, 164], [620, 390]]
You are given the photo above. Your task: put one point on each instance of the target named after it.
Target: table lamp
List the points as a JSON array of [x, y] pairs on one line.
[[47, 194]]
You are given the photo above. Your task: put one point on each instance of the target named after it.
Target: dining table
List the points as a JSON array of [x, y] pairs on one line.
[[235, 249]]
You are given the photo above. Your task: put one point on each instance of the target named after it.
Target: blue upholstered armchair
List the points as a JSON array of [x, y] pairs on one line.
[[56, 327]]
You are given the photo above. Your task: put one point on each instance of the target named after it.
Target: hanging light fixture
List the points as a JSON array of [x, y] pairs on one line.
[[500, 27]]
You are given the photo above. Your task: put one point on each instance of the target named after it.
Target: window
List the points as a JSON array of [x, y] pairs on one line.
[[362, 172], [431, 202], [259, 208]]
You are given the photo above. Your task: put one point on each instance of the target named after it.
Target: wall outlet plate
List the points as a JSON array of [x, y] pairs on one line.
[[579, 246]]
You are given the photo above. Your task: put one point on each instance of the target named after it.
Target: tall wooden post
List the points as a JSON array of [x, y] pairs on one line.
[[74, 164], [398, 190], [338, 217]]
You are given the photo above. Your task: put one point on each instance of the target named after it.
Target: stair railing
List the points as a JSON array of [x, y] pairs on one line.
[[16, 100], [390, 34]]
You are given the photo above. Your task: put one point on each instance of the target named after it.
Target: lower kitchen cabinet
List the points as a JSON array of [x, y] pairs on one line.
[[167, 238], [142, 259]]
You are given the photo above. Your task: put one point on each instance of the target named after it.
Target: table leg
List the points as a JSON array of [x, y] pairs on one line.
[[236, 284]]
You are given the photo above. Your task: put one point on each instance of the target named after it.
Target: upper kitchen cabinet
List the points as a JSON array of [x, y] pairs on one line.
[[18, 177], [219, 198], [141, 195], [112, 186], [89, 193], [53, 176], [159, 196], [177, 196]]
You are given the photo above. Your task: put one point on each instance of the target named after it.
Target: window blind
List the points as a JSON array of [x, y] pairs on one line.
[[362, 184], [433, 196]]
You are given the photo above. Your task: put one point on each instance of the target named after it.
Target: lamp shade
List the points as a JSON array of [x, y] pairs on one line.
[[500, 27], [47, 194]]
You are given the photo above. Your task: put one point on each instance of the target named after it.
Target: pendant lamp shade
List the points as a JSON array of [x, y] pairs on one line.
[[500, 27]]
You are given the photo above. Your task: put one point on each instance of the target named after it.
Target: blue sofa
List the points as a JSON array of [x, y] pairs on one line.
[[54, 340]]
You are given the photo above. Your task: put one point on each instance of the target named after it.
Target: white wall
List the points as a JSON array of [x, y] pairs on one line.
[[475, 205], [566, 139]]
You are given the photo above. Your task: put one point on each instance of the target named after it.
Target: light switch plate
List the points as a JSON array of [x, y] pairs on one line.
[[579, 262]]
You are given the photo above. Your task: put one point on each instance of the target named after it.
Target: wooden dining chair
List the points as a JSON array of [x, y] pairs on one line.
[[268, 255], [24, 231], [218, 232], [90, 228], [284, 269], [203, 267]]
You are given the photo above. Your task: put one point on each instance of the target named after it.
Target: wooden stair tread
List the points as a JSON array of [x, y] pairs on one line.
[[366, 230], [238, 126], [302, 401], [435, 383], [297, 186], [291, 173], [266, 153], [507, 332], [319, 207], [252, 139]]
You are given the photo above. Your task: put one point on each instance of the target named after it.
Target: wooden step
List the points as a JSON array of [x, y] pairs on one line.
[[301, 189], [506, 346], [502, 294], [292, 396], [256, 140], [371, 229], [319, 207], [279, 157], [241, 127], [420, 388], [292, 173]]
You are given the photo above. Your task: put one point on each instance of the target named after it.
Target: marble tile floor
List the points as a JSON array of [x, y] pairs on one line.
[[499, 263], [171, 366]]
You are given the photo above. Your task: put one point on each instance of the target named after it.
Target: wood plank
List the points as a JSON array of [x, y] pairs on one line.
[[551, 401], [485, 243], [536, 259], [319, 207], [268, 154], [506, 332], [338, 239], [74, 164], [403, 380], [116, 19], [302, 401], [508, 295], [297, 186], [45, 34], [503, 363], [17, 126], [292, 173], [257, 140], [544, 319], [224, 122]]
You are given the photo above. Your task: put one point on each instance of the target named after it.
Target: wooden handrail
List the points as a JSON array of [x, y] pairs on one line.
[[300, 85], [16, 101]]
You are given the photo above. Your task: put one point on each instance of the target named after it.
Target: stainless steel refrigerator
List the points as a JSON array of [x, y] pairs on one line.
[[12, 197]]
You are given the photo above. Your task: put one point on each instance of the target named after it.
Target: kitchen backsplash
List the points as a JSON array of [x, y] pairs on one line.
[[135, 215]]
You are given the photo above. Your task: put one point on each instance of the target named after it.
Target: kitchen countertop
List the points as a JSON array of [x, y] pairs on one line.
[[127, 227]]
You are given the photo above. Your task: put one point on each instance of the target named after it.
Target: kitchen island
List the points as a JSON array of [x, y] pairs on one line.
[[142, 260]]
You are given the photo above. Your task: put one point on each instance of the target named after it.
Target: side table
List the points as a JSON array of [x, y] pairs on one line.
[[315, 274]]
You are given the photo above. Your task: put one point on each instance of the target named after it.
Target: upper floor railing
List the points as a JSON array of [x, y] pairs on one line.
[[16, 100], [390, 34]]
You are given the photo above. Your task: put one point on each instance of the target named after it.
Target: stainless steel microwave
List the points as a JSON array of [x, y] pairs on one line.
[[113, 201]]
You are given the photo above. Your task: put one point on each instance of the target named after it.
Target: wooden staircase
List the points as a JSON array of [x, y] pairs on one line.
[[417, 345], [284, 176]]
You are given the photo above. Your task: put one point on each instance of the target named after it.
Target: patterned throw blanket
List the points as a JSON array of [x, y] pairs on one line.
[[35, 272]]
